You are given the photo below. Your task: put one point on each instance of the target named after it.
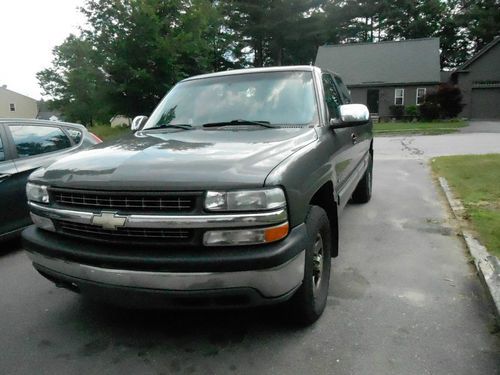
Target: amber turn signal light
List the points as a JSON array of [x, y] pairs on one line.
[[276, 233]]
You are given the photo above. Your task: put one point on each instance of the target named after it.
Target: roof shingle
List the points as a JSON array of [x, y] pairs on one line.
[[402, 62]]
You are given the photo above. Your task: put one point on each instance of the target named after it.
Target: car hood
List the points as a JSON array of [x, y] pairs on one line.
[[179, 159]]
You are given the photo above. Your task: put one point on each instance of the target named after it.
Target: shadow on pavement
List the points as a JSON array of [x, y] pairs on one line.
[[202, 332], [184, 322], [9, 246]]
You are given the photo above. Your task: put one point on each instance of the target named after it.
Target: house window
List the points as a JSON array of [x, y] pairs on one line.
[[399, 96], [12, 107], [421, 91]]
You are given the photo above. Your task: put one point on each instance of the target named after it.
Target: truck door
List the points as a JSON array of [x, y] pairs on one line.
[[343, 157], [361, 135]]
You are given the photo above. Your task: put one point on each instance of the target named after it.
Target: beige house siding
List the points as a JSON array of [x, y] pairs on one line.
[[23, 106]]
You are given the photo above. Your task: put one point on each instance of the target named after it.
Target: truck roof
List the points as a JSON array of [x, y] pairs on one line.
[[304, 68]]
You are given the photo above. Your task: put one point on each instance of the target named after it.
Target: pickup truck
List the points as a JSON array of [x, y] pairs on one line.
[[227, 196]]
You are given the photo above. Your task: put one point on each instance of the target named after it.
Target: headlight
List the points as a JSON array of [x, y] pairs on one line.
[[245, 236], [37, 193], [245, 200]]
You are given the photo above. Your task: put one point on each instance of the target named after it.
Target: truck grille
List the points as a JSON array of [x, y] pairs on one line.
[[124, 234], [126, 201]]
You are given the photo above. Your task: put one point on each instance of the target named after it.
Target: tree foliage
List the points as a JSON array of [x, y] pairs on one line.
[[131, 52]]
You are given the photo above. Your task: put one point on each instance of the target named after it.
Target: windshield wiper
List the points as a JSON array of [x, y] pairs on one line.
[[177, 126], [267, 124]]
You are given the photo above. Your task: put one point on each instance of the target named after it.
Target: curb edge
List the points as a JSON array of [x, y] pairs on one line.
[[488, 266]]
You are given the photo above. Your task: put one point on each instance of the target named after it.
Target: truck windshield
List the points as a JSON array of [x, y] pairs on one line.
[[269, 97]]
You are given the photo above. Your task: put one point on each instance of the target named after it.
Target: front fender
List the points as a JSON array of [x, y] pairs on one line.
[[302, 174]]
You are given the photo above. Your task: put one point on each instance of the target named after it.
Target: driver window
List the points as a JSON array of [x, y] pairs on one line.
[[332, 97]]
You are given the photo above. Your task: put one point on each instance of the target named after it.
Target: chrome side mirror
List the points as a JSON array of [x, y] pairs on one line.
[[138, 122], [354, 113], [351, 115]]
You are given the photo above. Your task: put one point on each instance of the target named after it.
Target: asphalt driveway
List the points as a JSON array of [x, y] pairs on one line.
[[404, 300], [483, 126]]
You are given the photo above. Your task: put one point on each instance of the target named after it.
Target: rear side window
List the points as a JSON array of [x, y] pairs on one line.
[[332, 97], [76, 135], [34, 140], [344, 92], [2, 153]]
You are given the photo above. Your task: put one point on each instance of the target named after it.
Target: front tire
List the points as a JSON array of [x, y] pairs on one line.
[[309, 302]]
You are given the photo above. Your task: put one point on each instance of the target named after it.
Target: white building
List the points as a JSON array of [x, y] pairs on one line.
[[13, 104]]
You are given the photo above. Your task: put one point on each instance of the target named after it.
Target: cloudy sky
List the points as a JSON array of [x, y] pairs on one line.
[[29, 29]]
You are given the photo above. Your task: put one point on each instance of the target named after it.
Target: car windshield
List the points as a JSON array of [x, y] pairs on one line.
[[271, 97]]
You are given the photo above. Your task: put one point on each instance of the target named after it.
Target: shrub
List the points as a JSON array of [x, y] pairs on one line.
[[397, 111], [445, 102], [412, 111], [450, 100], [429, 110]]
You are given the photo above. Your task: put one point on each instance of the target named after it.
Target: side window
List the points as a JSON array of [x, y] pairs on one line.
[[332, 97], [34, 140], [421, 91], [399, 96], [2, 152], [76, 135], [344, 92]]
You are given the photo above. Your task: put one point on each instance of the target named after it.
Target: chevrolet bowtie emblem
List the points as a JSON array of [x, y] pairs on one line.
[[109, 220]]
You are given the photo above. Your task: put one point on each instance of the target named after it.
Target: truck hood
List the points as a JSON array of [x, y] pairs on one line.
[[179, 159]]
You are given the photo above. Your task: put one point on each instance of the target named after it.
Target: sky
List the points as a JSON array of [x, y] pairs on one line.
[[29, 30]]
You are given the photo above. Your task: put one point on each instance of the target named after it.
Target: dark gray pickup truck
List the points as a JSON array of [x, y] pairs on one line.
[[227, 196]]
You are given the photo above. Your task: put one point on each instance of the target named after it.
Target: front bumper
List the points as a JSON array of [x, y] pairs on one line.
[[201, 277], [270, 283]]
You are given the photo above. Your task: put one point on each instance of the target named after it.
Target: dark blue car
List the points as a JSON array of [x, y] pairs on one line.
[[26, 145]]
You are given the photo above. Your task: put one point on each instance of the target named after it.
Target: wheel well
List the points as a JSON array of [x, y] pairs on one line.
[[325, 199]]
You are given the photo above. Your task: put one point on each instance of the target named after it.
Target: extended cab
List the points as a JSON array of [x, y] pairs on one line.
[[227, 196]]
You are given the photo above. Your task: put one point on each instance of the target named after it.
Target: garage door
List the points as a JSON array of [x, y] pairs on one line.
[[485, 103]]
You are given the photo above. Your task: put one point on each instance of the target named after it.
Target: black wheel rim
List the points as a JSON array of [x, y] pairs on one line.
[[369, 180], [317, 268]]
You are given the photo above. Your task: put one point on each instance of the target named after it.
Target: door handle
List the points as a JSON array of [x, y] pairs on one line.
[[4, 177], [354, 138]]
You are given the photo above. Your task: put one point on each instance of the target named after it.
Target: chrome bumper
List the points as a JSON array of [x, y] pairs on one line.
[[271, 282]]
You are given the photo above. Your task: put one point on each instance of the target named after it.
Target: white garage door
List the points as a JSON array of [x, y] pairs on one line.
[[485, 103]]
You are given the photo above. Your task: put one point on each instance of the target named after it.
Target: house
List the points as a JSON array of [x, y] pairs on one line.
[[386, 73], [479, 80], [45, 112], [50, 115], [13, 104], [120, 120]]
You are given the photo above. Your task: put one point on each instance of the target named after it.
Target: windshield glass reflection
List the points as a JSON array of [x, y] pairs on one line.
[[275, 97]]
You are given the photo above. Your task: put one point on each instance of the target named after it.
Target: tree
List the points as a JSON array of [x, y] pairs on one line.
[[75, 83], [274, 32], [150, 45], [409, 19], [482, 19], [131, 53]]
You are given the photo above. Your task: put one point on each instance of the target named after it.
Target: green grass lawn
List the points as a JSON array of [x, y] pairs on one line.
[[475, 179], [106, 132], [401, 128]]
